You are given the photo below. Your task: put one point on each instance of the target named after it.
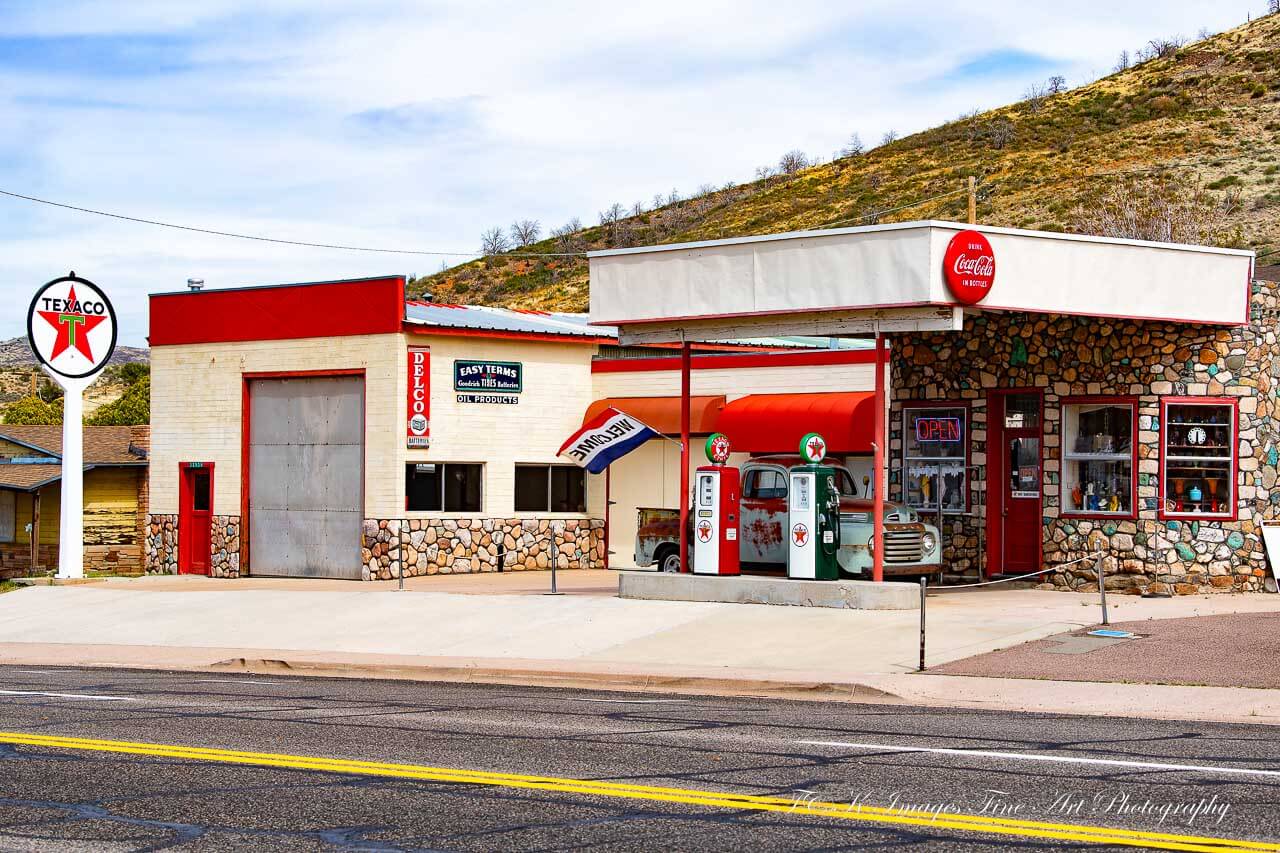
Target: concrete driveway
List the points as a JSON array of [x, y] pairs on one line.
[[492, 619]]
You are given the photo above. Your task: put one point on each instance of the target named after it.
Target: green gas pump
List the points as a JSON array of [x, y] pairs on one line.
[[813, 515]]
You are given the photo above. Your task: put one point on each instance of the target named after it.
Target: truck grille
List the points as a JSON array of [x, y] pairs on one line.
[[903, 546]]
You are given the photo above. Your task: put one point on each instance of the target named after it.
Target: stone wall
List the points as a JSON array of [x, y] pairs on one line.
[[1075, 356], [161, 545], [224, 547], [457, 546]]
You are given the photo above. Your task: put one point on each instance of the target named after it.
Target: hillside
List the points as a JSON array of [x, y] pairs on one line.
[[18, 365], [1207, 113], [16, 353]]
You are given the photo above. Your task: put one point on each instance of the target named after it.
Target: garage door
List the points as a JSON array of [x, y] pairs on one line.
[[306, 476]]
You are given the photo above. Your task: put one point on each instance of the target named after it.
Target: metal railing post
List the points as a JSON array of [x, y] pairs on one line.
[[924, 584], [1102, 586], [555, 558]]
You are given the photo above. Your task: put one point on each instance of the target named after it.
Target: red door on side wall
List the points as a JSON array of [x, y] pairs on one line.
[[195, 518], [1015, 520]]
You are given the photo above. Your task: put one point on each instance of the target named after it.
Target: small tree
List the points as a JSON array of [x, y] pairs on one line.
[[1123, 61], [568, 237], [1273, 7], [133, 407], [854, 147], [609, 219], [31, 410], [1035, 97], [1165, 210], [1057, 84], [890, 136], [793, 161], [494, 242], [1000, 133], [525, 232], [764, 173]]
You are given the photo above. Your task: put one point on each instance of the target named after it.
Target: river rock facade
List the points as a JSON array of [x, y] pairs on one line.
[[1065, 356], [460, 546]]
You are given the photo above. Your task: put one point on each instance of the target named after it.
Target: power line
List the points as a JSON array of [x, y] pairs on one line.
[[261, 239], [346, 248], [878, 213]]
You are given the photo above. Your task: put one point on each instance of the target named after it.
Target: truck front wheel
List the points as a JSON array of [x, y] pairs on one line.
[[669, 560]]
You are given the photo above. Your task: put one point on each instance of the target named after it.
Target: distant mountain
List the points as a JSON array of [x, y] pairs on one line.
[[1207, 112], [16, 354]]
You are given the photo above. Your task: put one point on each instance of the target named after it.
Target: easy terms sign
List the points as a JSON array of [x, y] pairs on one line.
[[418, 428]]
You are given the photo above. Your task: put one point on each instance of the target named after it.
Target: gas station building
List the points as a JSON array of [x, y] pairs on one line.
[[1048, 396], [337, 429]]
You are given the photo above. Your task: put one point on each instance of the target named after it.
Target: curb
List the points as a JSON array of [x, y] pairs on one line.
[[813, 690]]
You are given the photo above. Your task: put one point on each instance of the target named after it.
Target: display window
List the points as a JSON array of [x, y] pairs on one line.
[[443, 486], [1099, 456], [550, 488], [935, 453], [1197, 458]]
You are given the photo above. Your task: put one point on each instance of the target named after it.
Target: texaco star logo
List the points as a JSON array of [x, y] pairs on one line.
[[800, 535], [71, 327], [704, 530]]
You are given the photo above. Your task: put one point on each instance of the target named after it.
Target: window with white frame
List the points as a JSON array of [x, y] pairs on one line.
[[1098, 457], [934, 455]]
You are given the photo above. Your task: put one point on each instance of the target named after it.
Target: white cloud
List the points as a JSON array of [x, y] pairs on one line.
[[404, 124]]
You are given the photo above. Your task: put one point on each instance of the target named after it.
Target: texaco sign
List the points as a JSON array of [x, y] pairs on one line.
[[72, 327]]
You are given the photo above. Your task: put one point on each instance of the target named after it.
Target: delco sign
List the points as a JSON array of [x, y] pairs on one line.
[[501, 376], [418, 428], [969, 267]]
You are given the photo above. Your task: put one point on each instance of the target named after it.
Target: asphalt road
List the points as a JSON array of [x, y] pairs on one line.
[[687, 773]]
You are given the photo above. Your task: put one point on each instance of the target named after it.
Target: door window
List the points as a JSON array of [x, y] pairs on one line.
[[1022, 411], [1024, 467], [200, 491]]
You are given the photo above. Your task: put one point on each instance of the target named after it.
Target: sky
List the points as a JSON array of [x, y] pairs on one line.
[[419, 125]]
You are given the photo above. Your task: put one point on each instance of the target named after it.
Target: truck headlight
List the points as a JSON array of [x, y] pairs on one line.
[[871, 544], [928, 542]]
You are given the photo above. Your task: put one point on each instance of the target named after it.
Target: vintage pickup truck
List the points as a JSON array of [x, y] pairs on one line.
[[910, 546]]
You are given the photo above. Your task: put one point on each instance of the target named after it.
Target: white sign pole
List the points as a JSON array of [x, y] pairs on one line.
[[71, 327], [71, 523]]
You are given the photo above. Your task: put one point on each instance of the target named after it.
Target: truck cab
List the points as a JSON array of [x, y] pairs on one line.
[[911, 546]]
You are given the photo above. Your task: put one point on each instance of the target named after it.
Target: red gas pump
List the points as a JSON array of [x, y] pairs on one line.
[[715, 512]]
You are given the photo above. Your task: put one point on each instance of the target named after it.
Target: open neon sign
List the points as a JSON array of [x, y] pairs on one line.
[[939, 429]]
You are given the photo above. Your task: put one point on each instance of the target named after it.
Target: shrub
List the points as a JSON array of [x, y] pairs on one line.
[[32, 410], [133, 407]]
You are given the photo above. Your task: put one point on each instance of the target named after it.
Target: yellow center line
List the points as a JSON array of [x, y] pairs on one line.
[[689, 796]]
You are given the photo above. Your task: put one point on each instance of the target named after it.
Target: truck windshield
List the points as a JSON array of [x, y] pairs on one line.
[[845, 483]]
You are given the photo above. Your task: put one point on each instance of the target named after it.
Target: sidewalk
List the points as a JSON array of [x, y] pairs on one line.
[[589, 638]]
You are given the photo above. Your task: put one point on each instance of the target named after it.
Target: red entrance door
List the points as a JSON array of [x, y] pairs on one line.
[[195, 518], [1015, 521]]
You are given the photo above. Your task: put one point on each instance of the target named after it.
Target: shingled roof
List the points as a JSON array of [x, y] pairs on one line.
[[103, 445]]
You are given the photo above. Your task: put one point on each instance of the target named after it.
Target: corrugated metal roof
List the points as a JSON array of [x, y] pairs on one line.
[[485, 318], [529, 322]]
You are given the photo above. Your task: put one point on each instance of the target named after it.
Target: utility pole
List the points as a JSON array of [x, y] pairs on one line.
[[973, 200]]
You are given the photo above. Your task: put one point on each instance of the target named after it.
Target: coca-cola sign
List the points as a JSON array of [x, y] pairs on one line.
[[969, 267]]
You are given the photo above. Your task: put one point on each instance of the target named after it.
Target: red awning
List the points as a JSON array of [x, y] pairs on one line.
[[775, 423], [663, 413]]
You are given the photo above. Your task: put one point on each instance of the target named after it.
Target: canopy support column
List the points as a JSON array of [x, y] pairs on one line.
[[878, 465], [685, 366]]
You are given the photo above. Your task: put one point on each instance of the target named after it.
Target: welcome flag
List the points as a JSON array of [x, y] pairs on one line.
[[606, 437]]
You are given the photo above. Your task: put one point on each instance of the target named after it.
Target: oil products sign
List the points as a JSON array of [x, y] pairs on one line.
[[488, 381], [418, 428]]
